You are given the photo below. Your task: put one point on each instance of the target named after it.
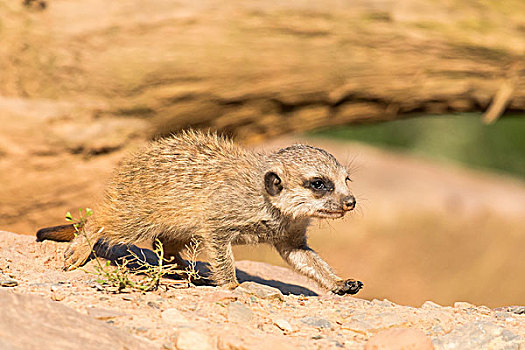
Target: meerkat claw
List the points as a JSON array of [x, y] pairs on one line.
[[349, 286]]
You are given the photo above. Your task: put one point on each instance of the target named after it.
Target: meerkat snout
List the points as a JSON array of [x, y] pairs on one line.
[[348, 203]]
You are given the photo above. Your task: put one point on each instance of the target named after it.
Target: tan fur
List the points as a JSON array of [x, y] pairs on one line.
[[203, 186]]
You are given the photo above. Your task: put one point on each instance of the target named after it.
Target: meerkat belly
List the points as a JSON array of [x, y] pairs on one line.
[[244, 239], [253, 234]]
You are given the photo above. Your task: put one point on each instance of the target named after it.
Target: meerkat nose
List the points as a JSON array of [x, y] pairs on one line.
[[348, 203]]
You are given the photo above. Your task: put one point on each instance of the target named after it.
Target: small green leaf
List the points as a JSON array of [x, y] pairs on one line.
[[69, 217], [89, 211]]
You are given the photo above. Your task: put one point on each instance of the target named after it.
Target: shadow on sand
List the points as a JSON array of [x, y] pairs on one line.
[[118, 254]]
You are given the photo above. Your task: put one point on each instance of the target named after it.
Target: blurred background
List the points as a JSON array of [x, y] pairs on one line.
[[425, 100]]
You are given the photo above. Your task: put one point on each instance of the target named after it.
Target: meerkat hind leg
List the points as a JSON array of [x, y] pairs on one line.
[[77, 253]]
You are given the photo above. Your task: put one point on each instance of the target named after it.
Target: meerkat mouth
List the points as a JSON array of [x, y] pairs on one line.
[[329, 214]]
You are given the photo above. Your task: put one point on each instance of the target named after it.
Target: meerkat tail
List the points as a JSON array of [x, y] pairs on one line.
[[62, 233]]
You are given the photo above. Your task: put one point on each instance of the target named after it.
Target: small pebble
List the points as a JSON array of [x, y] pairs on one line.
[[8, 283], [316, 322], [260, 290], [430, 305], [153, 305], [481, 334], [103, 314], [141, 329], [168, 346], [463, 305], [504, 316], [4, 264], [238, 312], [57, 296], [98, 287], [173, 316], [283, 325], [519, 310]]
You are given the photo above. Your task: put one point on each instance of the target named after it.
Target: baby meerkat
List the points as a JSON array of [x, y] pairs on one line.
[[203, 186]]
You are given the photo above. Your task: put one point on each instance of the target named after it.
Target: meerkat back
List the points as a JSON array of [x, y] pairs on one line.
[[173, 180]]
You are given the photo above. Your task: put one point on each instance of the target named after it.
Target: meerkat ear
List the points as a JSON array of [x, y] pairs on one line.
[[272, 183]]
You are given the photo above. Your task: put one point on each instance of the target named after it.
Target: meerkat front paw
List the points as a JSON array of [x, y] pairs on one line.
[[348, 286]]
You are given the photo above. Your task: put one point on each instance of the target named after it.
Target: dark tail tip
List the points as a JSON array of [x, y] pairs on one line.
[[62, 233], [41, 234]]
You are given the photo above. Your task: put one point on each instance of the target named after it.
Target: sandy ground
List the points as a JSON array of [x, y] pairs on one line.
[[253, 316]]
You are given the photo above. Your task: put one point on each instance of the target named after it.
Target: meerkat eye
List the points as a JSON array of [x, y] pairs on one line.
[[318, 185], [348, 179]]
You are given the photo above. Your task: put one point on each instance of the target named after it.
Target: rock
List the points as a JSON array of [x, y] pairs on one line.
[[168, 346], [283, 325], [98, 287], [238, 312], [463, 305], [103, 314], [399, 339], [316, 322], [153, 305], [141, 329], [383, 303], [260, 290], [361, 322], [519, 310], [430, 305], [505, 316], [57, 296], [174, 317], [8, 283], [4, 264], [31, 322], [192, 340], [484, 309], [478, 335]]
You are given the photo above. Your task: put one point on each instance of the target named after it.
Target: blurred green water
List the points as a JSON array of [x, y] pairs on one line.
[[457, 138]]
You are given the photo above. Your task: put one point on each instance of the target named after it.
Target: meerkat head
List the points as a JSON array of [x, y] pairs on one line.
[[305, 181]]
